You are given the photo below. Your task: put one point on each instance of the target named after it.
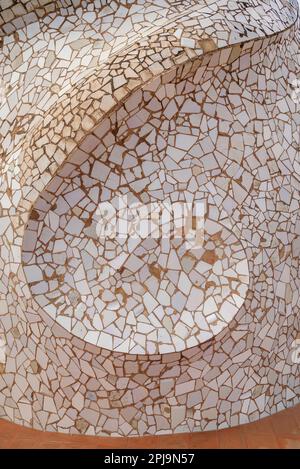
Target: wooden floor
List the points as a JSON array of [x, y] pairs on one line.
[[278, 431]]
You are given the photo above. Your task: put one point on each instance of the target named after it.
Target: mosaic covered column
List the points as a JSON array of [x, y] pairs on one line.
[[149, 214]]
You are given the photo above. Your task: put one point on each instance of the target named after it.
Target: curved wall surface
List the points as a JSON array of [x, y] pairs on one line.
[[158, 104]]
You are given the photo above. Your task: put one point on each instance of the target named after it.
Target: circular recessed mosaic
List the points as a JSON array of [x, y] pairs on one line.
[[90, 258]]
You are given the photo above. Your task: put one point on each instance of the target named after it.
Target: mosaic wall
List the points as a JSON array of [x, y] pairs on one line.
[[15, 14], [156, 102]]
